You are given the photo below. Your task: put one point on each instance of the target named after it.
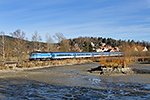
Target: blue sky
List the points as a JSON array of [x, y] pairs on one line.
[[118, 19]]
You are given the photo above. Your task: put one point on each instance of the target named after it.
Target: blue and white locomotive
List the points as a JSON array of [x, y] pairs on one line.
[[62, 55]]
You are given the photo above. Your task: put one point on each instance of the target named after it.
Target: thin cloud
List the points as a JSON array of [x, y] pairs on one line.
[[106, 18], [148, 2]]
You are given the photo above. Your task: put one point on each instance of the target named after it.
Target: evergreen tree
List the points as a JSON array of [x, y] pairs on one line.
[[119, 42], [143, 43], [108, 41], [90, 48], [100, 39], [85, 47], [104, 40]]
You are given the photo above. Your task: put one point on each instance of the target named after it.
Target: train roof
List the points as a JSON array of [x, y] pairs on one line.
[[71, 52], [40, 52], [59, 52]]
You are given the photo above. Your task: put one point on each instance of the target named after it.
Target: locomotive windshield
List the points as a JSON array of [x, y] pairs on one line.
[[32, 54]]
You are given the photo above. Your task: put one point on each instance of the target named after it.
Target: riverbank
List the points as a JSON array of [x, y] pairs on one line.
[[49, 74], [136, 65], [72, 82], [41, 64], [135, 68], [63, 72]]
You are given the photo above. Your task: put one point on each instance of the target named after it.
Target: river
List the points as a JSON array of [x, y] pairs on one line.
[[73, 82]]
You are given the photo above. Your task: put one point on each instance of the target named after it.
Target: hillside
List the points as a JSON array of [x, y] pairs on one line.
[[29, 44], [83, 43], [15, 51]]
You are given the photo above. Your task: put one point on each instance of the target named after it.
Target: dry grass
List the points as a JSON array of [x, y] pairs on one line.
[[115, 63], [29, 64]]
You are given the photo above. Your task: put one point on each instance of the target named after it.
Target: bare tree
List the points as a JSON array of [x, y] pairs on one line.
[[18, 44], [2, 44], [36, 39], [65, 45], [8, 49], [39, 42], [59, 37], [50, 43]]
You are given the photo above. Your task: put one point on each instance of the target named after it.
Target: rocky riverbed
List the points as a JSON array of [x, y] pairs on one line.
[[134, 69], [73, 82]]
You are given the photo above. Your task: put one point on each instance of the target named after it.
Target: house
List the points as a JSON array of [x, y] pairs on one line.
[[135, 49], [108, 46], [102, 44], [99, 50], [92, 44], [110, 50], [76, 45], [104, 49], [116, 49], [145, 49], [140, 48]]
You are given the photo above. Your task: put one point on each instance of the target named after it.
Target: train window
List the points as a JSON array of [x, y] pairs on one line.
[[82, 54], [63, 54]]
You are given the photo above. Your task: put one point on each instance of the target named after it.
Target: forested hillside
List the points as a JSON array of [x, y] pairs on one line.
[[16, 45]]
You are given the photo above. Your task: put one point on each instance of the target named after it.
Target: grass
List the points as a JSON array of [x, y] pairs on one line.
[[115, 63]]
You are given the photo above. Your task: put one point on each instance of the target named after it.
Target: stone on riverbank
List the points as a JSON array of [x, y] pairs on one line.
[[111, 71], [114, 71]]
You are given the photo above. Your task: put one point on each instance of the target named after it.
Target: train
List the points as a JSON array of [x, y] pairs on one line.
[[64, 55]]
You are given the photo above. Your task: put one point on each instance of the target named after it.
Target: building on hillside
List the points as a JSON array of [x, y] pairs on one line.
[[99, 50], [93, 45], [109, 50], [140, 48], [108, 46], [104, 49], [145, 49], [76, 45], [135, 49], [102, 44], [116, 49]]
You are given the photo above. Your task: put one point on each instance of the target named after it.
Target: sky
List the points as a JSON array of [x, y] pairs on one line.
[[117, 19]]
